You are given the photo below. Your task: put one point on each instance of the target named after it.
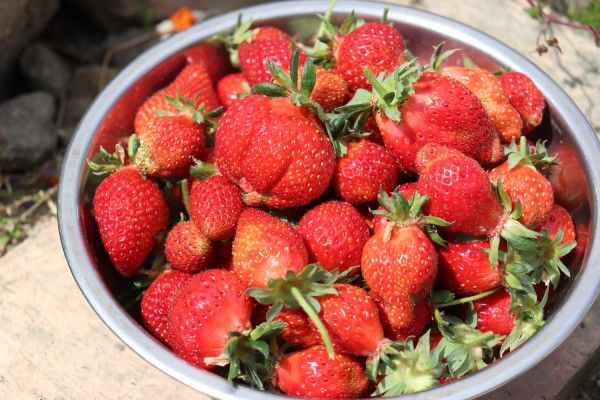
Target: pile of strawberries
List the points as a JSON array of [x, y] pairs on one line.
[[339, 220]]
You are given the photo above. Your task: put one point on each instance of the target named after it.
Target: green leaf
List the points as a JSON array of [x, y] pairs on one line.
[[442, 296], [203, 170], [133, 144], [309, 78], [294, 65], [533, 12], [468, 62], [270, 89]]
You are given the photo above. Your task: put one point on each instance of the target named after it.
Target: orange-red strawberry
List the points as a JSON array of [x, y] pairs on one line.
[[525, 97], [465, 268], [330, 89], [214, 58], [130, 212], [335, 234], [231, 88], [311, 373], [525, 184], [488, 88], [375, 45], [493, 313], [399, 262], [363, 171], [215, 206], [265, 248], [253, 56], [170, 145], [559, 218], [297, 330], [422, 317], [187, 249], [157, 300], [210, 306], [276, 152], [193, 84]]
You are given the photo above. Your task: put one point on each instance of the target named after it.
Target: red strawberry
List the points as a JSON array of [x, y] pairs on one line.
[[297, 331], [366, 169], [330, 89], [465, 268], [130, 212], [212, 57], [231, 88], [253, 57], [187, 249], [193, 83], [215, 206], [568, 176], [422, 318], [524, 183], [399, 262], [488, 88], [525, 97], [456, 185], [157, 301], [379, 222], [265, 248], [312, 374], [375, 45], [443, 111], [210, 306], [334, 233], [352, 320], [559, 218], [269, 33], [493, 313], [276, 152], [170, 145]]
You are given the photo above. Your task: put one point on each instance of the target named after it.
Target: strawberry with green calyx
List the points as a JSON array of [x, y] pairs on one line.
[[559, 219], [423, 316], [519, 174], [106, 162], [399, 262], [528, 320], [546, 260], [231, 88], [464, 347], [525, 97], [250, 355], [406, 368], [300, 290], [187, 249]]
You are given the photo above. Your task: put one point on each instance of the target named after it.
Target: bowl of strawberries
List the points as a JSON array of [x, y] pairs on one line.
[[334, 201]]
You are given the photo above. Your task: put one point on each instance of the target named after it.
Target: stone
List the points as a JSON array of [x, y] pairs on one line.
[[44, 69], [20, 21], [26, 131]]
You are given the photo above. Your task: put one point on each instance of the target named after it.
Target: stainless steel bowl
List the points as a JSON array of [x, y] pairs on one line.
[[111, 115]]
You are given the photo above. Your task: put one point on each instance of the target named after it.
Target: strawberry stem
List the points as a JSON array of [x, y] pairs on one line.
[[469, 298], [310, 311]]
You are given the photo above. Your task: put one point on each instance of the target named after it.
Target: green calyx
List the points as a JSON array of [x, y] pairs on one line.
[[203, 170], [105, 162], [300, 291], [548, 258], [464, 348], [438, 57], [529, 318], [402, 212], [523, 154], [251, 355], [405, 368]]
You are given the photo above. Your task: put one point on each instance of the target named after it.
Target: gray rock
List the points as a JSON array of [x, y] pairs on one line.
[[27, 133], [44, 69], [20, 21]]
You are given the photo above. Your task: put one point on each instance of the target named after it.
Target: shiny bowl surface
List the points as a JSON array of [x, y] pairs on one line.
[[111, 115]]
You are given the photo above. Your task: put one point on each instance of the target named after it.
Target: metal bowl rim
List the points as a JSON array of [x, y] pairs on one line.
[[558, 327]]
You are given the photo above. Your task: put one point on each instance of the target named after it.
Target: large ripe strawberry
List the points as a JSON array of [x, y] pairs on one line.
[[214, 58], [488, 88], [130, 212], [231, 88], [311, 373], [170, 145], [243, 33], [266, 248], [525, 97], [399, 262], [422, 317], [157, 300], [253, 57], [193, 83], [465, 268], [215, 206], [430, 108], [524, 183], [187, 249], [375, 45], [363, 171], [276, 152], [335, 234], [559, 218], [330, 91]]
